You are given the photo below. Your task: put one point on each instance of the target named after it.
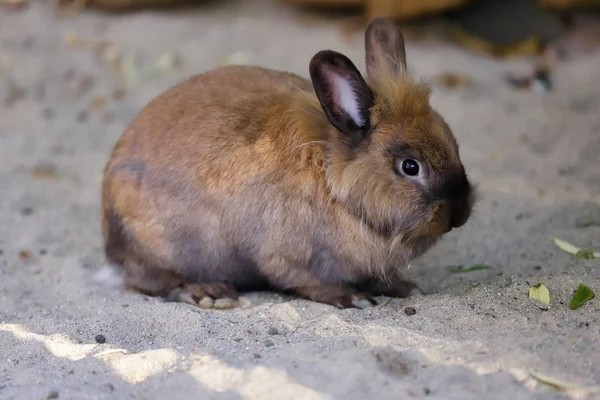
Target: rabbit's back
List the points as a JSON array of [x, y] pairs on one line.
[[198, 168]]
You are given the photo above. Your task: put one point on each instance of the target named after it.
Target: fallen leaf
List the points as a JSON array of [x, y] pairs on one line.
[[24, 254], [576, 251], [588, 224], [133, 75], [385, 303], [588, 254], [238, 58], [460, 268], [98, 101], [44, 171], [581, 296], [452, 80], [550, 381], [540, 296]]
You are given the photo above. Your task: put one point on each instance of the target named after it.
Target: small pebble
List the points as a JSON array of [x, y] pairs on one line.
[[256, 355], [273, 331], [26, 211], [269, 343], [52, 395], [100, 339], [410, 311], [48, 113], [82, 116], [43, 252]]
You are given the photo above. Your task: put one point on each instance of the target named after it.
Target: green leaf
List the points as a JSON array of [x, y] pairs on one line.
[[566, 247], [588, 254], [581, 296], [587, 224], [540, 296], [576, 251], [460, 268]]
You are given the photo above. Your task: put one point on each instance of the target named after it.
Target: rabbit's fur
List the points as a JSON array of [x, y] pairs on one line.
[[245, 178]]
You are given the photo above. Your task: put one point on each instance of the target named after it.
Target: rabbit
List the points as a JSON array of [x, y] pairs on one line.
[[244, 178]]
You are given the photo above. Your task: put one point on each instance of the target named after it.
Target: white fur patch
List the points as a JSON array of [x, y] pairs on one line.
[[348, 100], [108, 275]]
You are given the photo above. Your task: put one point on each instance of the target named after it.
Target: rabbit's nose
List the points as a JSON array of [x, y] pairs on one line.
[[457, 222], [460, 215]]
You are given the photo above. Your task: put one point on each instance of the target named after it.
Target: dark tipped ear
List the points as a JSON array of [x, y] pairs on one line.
[[384, 46], [343, 94]]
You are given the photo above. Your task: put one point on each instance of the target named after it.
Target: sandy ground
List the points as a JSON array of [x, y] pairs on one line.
[[474, 336]]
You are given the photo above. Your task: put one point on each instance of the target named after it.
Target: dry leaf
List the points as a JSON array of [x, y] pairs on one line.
[[453, 80], [476, 267], [98, 101], [44, 171], [550, 381], [238, 58]]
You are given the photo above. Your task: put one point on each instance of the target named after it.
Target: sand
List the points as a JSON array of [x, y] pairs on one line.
[[475, 335]]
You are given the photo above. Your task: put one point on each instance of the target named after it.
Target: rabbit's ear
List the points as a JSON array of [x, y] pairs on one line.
[[384, 47], [343, 94]]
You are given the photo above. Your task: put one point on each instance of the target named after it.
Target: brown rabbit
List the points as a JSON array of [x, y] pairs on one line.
[[245, 178]]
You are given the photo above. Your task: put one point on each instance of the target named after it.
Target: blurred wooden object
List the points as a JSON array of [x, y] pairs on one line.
[[401, 9], [74, 6], [569, 3], [397, 9]]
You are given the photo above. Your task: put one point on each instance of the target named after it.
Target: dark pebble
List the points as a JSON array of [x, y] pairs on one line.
[[82, 116], [28, 43], [256, 355], [26, 211], [410, 311], [269, 343], [48, 113], [538, 267], [52, 395], [273, 331], [43, 252], [100, 339]]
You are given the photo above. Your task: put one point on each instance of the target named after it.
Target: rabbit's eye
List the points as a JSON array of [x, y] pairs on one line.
[[410, 167]]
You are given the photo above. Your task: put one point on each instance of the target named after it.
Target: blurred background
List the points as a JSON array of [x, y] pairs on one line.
[[142, 40]]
